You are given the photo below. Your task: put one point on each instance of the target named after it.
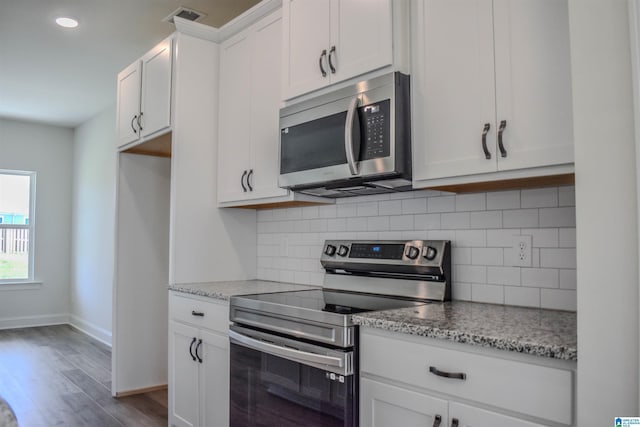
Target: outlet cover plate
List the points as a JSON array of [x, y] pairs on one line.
[[521, 250]]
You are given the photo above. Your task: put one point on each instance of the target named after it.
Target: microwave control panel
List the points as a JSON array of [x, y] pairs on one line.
[[376, 128]]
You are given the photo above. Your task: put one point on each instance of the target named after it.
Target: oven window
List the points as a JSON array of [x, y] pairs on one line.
[[312, 145], [268, 390]]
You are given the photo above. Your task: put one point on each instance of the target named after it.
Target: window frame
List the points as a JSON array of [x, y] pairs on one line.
[[31, 226]]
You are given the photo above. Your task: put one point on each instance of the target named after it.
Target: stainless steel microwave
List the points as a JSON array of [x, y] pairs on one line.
[[353, 141]]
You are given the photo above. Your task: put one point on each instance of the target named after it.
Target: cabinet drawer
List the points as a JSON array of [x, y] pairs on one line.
[[534, 390], [213, 316]]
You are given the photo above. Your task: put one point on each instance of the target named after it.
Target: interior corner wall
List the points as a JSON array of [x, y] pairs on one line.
[[93, 234], [606, 212], [47, 150]]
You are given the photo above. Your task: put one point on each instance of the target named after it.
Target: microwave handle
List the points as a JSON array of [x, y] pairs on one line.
[[348, 135]]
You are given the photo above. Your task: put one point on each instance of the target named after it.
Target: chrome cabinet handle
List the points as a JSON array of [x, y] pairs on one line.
[[249, 179], [132, 127], [242, 181], [454, 422], [485, 130], [197, 313], [323, 54], [140, 118], [348, 136], [197, 354], [331, 66], [453, 375], [437, 420], [503, 152], [191, 348]]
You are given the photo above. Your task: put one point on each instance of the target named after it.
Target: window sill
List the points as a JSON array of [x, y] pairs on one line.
[[20, 286]]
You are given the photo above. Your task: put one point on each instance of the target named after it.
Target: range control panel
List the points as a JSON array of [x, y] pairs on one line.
[[348, 253]]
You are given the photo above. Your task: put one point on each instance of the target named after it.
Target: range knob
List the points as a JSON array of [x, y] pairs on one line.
[[412, 252], [343, 250], [330, 250], [429, 252]]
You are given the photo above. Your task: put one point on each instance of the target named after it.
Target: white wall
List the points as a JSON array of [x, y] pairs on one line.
[[480, 226], [92, 248], [607, 263], [48, 150]]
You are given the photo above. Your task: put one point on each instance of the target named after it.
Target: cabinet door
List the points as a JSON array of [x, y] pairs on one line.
[[265, 105], [183, 376], [453, 87], [128, 104], [234, 156], [362, 34], [156, 89], [214, 379], [384, 405], [533, 82], [306, 33], [468, 416]]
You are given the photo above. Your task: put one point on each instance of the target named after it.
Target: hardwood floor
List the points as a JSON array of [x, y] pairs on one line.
[[58, 376]]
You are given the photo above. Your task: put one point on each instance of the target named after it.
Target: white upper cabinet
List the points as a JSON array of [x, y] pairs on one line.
[[144, 96], [491, 91], [328, 41]]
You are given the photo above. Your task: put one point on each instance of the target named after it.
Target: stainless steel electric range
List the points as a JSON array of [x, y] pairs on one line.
[[294, 355]]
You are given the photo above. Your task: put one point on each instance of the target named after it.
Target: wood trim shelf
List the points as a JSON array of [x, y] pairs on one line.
[[508, 184]]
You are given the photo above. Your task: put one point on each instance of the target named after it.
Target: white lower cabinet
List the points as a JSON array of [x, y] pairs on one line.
[[410, 381], [198, 362]]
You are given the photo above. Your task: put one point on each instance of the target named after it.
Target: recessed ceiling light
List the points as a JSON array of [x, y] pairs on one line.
[[66, 22]]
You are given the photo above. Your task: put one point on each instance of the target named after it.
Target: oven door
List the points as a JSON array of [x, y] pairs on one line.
[[282, 382]]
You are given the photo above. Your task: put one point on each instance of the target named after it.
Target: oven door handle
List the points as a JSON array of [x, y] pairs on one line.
[[286, 352], [352, 113]]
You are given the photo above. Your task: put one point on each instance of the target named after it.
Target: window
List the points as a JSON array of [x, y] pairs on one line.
[[17, 202]]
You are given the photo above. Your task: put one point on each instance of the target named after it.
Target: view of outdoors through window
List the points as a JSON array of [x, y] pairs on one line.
[[15, 192]]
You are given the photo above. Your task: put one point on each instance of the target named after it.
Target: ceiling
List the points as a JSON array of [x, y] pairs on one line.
[[63, 77]]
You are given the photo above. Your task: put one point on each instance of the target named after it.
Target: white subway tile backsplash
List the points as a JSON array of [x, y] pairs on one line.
[[367, 209], [471, 202], [558, 299], [461, 291], [558, 258], [427, 222], [487, 256], [520, 218], [529, 297], [414, 206], [486, 219], [568, 279], [509, 276], [390, 207], [539, 198], [401, 222], [470, 238], [493, 294], [470, 273], [540, 277], [454, 221], [503, 200], [480, 226], [441, 204], [542, 237], [567, 196], [558, 217]]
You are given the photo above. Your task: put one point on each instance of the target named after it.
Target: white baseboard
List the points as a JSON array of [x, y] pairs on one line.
[[30, 321], [90, 329]]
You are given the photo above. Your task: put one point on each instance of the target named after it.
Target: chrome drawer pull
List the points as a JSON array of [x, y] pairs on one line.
[[454, 375]]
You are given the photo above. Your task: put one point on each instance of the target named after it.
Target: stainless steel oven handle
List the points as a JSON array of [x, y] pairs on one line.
[[287, 352], [348, 135]]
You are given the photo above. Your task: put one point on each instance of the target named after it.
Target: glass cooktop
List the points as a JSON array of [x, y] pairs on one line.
[[333, 301]]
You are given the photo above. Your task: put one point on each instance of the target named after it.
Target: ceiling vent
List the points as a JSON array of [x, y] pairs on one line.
[[186, 13]]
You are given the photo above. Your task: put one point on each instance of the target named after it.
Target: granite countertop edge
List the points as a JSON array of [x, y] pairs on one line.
[[224, 290]]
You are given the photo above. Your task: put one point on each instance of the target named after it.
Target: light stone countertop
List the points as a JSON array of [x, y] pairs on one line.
[[546, 333], [225, 290]]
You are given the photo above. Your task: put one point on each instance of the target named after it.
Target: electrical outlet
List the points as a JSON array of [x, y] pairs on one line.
[[521, 251]]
